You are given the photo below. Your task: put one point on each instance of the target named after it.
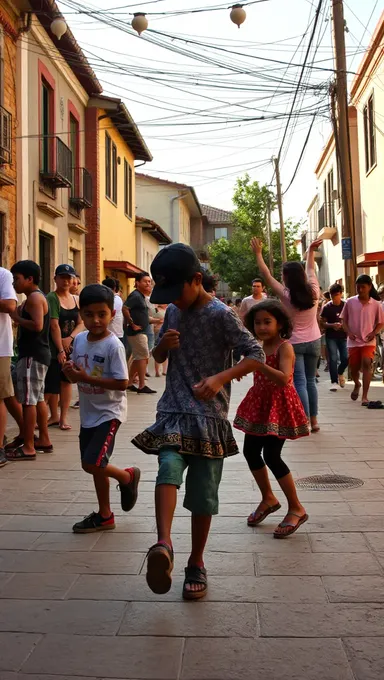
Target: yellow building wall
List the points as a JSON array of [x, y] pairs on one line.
[[185, 223], [117, 231]]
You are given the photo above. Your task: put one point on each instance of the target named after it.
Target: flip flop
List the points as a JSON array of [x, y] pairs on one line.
[[315, 429], [195, 575], [262, 514], [18, 454], [294, 527], [159, 568], [373, 404], [355, 393], [52, 425], [44, 449]]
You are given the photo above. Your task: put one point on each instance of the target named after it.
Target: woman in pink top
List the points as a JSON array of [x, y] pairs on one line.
[[300, 295]]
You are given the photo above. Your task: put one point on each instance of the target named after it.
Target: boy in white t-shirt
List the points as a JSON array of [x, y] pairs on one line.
[[8, 302], [99, 367]]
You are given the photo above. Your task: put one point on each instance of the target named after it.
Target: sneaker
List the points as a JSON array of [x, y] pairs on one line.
[[94, 522], [334, 387], [128, 492], [146, 390], [132, 388], [76, 405], [3, 458], [342, 380]]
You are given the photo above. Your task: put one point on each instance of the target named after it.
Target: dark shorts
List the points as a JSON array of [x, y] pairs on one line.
[[97, 443], [54, 377]]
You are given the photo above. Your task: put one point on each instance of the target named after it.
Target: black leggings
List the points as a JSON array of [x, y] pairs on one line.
[[271, 447]]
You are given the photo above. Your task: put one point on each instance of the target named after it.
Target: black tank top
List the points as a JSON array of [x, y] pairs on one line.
[[33, 343]]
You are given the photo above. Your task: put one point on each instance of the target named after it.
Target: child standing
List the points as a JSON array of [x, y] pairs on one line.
[[271, 413], [363, 319], [99, 367], [191, 431]]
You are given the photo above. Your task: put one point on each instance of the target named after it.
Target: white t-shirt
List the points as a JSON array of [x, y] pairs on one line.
[[117, 323], [248, 303], [7, 292], [103, 359]]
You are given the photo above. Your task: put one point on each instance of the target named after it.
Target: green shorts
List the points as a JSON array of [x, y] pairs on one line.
[[202, 480]]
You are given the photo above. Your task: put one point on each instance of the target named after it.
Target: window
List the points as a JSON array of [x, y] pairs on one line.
[[108, 153], [114, 173], [46, 125], [74, 131], [128, 175], [45, 260], [369, 134], [221, 232]]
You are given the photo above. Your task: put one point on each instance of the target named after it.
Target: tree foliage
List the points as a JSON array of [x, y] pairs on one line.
[[232, 260]]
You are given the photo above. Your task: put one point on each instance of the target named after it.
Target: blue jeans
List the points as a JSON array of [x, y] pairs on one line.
[[335, 345], [304, 377]]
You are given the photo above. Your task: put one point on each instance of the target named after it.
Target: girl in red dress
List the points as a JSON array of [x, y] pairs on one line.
[[271, 413]]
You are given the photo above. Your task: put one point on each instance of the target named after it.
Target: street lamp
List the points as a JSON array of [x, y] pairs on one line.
[[238, 15], [139, 22], [58, 27]]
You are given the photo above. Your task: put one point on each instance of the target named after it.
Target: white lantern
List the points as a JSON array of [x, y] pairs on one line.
[[238, 15], [58, 27], [139, 22]]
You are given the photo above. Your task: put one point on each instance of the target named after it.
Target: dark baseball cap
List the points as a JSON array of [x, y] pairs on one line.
[[170, 269], [65, 269]]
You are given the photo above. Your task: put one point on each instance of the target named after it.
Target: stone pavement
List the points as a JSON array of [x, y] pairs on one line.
[[307, 608]]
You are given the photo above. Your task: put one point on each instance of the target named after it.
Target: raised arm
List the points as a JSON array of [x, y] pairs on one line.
[[310, 265], [276, 286]]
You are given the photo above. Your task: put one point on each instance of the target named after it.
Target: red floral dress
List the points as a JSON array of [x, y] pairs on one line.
[[270, 409]]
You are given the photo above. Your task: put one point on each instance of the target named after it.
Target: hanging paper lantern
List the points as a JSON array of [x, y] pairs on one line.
[[58, 27], [139, 22], [238, 15]]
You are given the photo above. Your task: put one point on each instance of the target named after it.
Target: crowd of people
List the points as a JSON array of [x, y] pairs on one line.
[[96, 340]]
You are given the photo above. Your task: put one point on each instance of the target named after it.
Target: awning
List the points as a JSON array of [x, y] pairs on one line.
[[127, 268], [154, 230], [370, 259]]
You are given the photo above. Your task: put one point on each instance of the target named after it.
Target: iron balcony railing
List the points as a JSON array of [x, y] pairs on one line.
[[81, 190], [56, 162], [5, 136], [326, 216]]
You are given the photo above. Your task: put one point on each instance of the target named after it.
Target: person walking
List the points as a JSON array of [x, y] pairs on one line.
[[8, 303], [137, 316], [363, 319], [258, 295], [99, 368], [116, 324], [335, 336], [191, 431], [270, 413], [300, 295], [34, 357], [65, 325]]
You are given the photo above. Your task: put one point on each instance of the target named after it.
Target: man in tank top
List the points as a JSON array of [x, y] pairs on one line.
[[34, 357]]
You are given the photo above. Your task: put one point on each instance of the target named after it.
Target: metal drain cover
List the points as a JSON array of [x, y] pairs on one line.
[[327, 482]]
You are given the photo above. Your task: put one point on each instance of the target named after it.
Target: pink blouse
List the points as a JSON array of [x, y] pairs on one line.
[[305, 326]]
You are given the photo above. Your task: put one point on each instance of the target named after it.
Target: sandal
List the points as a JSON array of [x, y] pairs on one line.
[[18, 454], [43, 449], [259, 515], [65, 427], [355, 393], [373, 404], [159, 568], [293, 527], [195, 575]]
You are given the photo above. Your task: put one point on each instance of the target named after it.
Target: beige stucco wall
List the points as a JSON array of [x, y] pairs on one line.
[[67, 88], [164, 205], [371, 184]]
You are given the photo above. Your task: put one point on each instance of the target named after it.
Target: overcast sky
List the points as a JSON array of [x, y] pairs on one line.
[[203, 143]]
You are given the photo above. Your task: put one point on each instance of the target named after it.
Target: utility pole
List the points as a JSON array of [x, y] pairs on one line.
[[269, 231], [280, 209], [343, 149]]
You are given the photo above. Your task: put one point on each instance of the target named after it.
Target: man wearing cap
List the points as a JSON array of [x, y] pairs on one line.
[[136, 314], [191, 431]]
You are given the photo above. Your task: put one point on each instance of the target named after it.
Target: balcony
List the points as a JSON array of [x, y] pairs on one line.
[[81, 190], [306, 240], [327, 221], [55, 163], [5, 137]]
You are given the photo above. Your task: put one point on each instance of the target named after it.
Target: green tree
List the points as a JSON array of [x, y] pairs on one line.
[[232, 260]]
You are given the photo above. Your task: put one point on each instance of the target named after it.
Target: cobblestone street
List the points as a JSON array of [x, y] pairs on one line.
[[307, 608]]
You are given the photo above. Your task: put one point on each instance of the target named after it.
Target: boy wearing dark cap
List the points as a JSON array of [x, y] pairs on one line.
[[191, 431]]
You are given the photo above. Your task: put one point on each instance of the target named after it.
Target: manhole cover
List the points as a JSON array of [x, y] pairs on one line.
[[326, 482]]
